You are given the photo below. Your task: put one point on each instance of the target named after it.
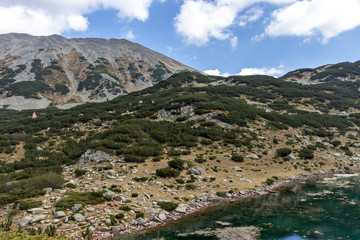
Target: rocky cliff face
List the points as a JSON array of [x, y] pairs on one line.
[[345, 71], [36, 72]]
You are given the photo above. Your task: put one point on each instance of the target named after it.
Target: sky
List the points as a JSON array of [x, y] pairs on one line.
[[219, 37]]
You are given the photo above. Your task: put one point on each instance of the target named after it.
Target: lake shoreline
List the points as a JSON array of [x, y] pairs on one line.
[[199, 206]]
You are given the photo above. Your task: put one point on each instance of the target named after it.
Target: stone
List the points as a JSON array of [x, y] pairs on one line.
[[36, 210], [197, 170], [140, 221], [78, 217], [90, 209], [162, 216], [115, 230], [238, 169], [55, 221], [76, 207], [66, 219], [25, 221], [224, 224], [37, 218], [290, 157], [119, 198], [182, 208], [47, 190], [59, 214], [252, 156], [108, 222]]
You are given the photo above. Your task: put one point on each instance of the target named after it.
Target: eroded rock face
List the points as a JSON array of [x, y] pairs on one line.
[[68, 72], [93, 157]]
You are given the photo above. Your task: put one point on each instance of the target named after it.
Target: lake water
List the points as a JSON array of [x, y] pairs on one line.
[[322, 208]]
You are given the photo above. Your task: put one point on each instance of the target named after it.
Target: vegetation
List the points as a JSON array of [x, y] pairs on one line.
[[168, 206], [84, 198]]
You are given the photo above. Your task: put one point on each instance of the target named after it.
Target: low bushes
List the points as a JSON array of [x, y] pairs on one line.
[[237, 158], [168, 206], [283, 152], [167, 172], [27, 204], [84, 198]]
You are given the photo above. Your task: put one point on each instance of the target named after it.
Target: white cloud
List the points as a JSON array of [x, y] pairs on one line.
[[44, 17], [315, 18], [261, 71], [129, 35], [216, 72], [250, 71], [200, 20], [251, 15], [234, 42]]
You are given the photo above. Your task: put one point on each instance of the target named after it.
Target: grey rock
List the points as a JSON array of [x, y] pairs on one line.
[[108, 222], [238, 169], [252, 156], [78, 217], [59, 214], [197, 170], [182, 208], [76, 207], [93, 157], [48, 190], [115, 230], [25, 221], [141, 221], [36, 210], [37, 218]]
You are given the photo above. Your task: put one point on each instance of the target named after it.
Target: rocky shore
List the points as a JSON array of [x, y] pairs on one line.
[[203, 201]]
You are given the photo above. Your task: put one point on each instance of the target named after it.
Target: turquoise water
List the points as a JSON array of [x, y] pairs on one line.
[[323, 208]]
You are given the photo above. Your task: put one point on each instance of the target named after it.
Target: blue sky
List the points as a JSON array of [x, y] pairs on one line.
[[218, 36]]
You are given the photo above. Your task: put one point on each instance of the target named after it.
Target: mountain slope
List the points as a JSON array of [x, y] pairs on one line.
[[36, 72], [345, 71]]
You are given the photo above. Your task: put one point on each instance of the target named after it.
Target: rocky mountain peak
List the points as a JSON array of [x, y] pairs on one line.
[[36, 72]]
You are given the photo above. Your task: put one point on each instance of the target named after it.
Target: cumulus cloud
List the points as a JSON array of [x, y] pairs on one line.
[[250, 71], [200, 20], [261, 71], [44, 17], [251, 15], [315, 18], [216, 72]]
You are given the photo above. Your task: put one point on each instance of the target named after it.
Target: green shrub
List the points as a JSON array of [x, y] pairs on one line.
[[306, 153], [80, 172], [119, 216], [180, 181], [27, 204], [177, 164], [190, 187], [84, 198], [139, 215], [200, 160], [70, 185], [167, 172], [283, 152], [140, 179], [168, 206], [220, 194], [270, 181], [237, 158], [125, 208], [134, 195]]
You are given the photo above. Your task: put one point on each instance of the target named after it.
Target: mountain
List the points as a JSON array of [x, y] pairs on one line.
[[177, 146], [36, 72], [345, 71]]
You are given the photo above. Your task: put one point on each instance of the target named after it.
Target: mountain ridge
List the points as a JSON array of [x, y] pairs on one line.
[[36, 72]]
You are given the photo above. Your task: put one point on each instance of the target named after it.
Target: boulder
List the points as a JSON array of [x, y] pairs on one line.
[[37, 218], [76, 207], [59, 214], [238, 169], [25, 221], [182, 208], [36, 210], [78, 217], [252, 156], [197, 170]]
